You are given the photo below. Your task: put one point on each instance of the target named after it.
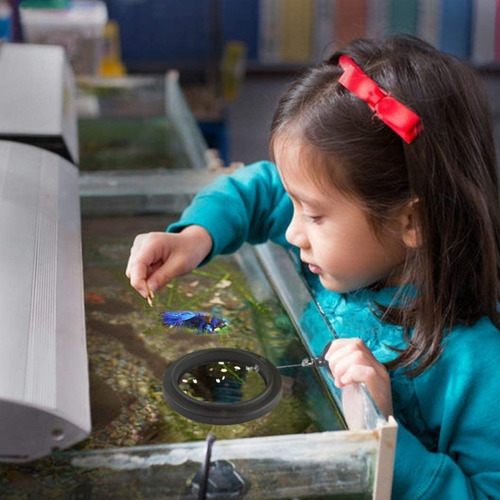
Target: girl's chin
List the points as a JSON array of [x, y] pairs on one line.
[[334, 285], [330, 284]]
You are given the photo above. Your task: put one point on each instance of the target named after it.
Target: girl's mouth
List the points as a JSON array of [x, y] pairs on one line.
[[314, 269]]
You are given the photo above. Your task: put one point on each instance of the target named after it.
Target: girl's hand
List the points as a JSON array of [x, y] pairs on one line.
[[352, 362], [158, 257]]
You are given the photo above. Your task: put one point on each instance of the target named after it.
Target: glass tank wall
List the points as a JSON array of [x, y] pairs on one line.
[[137, 123]]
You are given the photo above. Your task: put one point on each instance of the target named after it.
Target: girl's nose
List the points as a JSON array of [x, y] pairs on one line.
[[294, 235]]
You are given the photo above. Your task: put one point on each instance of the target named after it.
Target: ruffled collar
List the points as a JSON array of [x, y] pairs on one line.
[[356, 314]]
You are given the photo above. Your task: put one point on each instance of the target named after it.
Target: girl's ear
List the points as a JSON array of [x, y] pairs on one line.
[[410, 225]]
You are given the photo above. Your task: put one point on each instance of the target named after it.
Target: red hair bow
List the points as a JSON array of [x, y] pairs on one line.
[[393, 113]]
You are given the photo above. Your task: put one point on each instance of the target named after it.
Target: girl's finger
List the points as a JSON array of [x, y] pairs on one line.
[[345, 348], [340, 347], [136, 246], [359, 374], [138, 275], [344, 363]]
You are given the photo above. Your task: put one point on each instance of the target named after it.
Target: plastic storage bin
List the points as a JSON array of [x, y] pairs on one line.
[[78, 28]]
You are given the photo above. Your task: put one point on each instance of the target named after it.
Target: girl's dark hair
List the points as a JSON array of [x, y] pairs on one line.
[[449, 170]]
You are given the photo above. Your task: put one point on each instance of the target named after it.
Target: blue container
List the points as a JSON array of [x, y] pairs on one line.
[[5, 22]]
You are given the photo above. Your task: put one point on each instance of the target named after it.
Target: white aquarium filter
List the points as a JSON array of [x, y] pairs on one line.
[[44, 390], [38, 98]]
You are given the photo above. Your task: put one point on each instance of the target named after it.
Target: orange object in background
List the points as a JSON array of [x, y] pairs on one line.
[[94, 298]]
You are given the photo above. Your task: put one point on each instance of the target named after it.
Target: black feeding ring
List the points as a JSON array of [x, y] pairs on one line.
[[215, 412]]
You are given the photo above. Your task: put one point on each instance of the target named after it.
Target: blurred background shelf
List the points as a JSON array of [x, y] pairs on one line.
[[235, 58]]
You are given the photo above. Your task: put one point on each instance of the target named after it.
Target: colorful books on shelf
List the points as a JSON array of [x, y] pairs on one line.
[[306, 31], [286, 31], [485, 31], [297, 30], [403, 16], [455, 27]]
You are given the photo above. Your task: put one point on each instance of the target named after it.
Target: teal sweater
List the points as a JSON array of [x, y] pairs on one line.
[[448, 444]]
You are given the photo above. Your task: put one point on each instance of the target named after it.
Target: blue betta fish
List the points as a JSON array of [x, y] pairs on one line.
[[201, 321]]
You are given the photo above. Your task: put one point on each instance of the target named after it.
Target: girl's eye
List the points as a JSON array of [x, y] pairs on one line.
[[312, 218]]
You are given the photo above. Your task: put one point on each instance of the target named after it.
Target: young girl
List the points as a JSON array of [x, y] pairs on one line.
[[385, 182]]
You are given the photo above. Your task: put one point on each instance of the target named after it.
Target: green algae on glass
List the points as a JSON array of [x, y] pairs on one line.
[[125, 143]]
